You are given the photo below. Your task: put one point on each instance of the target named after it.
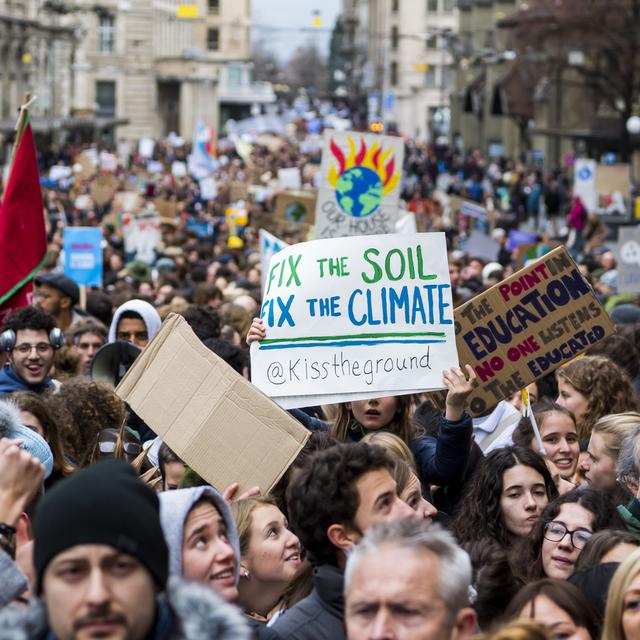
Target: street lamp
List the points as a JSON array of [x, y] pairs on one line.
[[633, 125]]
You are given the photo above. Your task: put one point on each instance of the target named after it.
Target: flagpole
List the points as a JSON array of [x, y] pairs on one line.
[[24, 112]]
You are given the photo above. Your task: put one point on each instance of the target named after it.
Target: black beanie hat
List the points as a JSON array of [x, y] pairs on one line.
[[104, 503]]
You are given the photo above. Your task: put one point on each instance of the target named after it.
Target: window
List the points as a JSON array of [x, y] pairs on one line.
[[448, 5], [430, 77], [106, 33], [106, 98], [447, 77], [213, 39], [235, 75], [394, 74], [213, 7], [394, 38], [432, 42], [432, 5], [395, 5]]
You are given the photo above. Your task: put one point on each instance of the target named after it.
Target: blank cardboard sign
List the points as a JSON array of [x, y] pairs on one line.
[[214, 419]]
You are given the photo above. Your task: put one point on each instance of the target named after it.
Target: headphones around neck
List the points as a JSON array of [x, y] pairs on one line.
[[8, 339]]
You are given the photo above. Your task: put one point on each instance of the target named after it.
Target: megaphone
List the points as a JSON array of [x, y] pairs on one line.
[[112, 361]]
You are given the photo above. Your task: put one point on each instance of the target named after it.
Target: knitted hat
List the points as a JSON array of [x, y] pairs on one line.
[[104, 503]]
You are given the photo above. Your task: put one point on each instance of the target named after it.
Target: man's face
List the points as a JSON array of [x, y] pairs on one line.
[[51, 300], [95, 591], [379, 500], [393, 595], [133, 330], [86, 346], [32, 357]]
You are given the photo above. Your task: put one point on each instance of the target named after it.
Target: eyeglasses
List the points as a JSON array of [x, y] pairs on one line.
[[556, 531], [130, 448], [41, 348]]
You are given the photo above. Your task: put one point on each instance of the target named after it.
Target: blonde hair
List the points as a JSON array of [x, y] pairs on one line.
[[604, 384], [242, 511], [394, 445], [517, 630], [615, 427], [622, 578]]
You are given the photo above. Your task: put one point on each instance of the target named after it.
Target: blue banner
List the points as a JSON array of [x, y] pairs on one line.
[[83, 255]]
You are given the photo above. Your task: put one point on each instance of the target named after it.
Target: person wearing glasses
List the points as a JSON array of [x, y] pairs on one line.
[[565, 527], [29, 337]]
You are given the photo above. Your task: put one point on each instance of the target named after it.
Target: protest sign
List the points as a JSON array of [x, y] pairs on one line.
[[526, 326], [236, 216], [178, 169], [208, 188], [84, 166], [480, 245], [351, 317], [128, 201], [290, 178], [269, 246], [83, 202], [359, 184], [108, 161], [145, 147], [296, 206], [406, 223], [59, 172], [584, 182], [629, 260], [613, 184], [83, 255], [102, 189], [238, 191], [141, 236], [167, 210], [214, 420]]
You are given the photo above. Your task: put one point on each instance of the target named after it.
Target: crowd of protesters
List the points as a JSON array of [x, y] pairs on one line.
[[397, 520]]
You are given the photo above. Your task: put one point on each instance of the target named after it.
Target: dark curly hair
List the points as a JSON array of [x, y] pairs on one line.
[[325, 493], [32, 318], [480, 514], [204, 320], [527, 560]]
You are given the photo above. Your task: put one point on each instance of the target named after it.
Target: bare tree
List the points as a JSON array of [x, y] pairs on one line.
[[307, 69]]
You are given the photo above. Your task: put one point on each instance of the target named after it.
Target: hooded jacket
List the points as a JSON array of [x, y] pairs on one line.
[[185, 611], [148, 314], [174, 509], [10, 381]]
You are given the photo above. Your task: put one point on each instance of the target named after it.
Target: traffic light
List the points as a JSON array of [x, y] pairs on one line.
[[376, 127]]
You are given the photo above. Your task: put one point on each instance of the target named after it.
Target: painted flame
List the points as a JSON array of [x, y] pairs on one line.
[[374, 158]]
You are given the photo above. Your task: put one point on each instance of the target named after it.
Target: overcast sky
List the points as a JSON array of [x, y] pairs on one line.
[[278, 24]]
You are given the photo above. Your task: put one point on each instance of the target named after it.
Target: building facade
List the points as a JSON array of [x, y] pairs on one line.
[[403, 59]]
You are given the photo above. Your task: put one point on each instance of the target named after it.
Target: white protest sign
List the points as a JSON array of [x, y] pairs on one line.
[[359, 184], [351, 317], [178, 169], [290, 178], [108, 162], [145, 147], [629, 260], [406, 223], [141, 236], [208, 188], [269, 246], [584, 183]]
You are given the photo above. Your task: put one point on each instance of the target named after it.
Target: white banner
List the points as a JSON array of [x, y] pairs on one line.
[[584, 183], [350, 318], [359, 185], [142, 235], [269, 246]]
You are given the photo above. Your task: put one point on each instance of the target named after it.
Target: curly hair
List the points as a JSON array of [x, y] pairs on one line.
[[38, 407], [204, 321], [32, 318], [527, 559], [325, 493], [604, 384], [346, 427], [83, 409], [480, 513]]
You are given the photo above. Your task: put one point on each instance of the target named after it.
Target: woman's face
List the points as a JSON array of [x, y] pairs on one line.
[[556, 621], [599, 465], [375, 413], [570, 398], [559, 558], [560, 441], [619, 553], [412, 495], [523, 498], [631, 610], [274, 552], [29, 420]]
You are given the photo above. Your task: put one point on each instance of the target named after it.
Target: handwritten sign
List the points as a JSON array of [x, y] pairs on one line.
[[359, 185], [83, 255], [526, 326], [354, 317], [142, 235]]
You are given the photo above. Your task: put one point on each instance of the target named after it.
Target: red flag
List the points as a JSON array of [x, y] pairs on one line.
[[23, 238]]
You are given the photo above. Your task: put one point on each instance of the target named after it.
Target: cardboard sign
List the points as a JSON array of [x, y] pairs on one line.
[[350, 318], [84, 166], [629, 260], [102, 189], [128, 201], [167, 211], [83, 255], [296, 207], [612, 178], [526, 326], [142, 235], [290, 178], [216, 421], [360, 184], [239, 191], [269, 246]]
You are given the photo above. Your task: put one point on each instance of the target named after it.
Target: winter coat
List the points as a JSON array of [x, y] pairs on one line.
[[185, 611], [631, 515], [320, 616], [14, 582], [10, 381]]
